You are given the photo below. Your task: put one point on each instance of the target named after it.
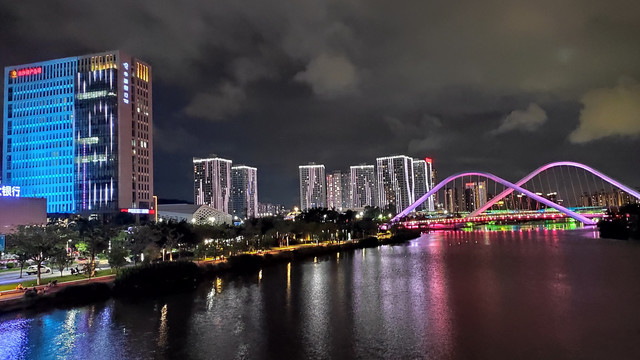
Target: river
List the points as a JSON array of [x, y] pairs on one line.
[[532, 293]]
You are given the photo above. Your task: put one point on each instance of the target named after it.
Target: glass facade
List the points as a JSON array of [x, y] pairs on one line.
[[78, 132], [38, 150], [96, 146]]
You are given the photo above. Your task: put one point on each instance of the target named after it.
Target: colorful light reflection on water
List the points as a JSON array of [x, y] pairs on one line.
[[530, 293]]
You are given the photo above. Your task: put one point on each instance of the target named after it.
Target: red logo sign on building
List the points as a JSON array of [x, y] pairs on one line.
[[25, 72]]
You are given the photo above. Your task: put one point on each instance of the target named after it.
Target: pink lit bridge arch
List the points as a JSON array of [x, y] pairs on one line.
[[511, 187]]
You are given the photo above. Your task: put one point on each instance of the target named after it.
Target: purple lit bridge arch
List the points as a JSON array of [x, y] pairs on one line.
[[517, 187]]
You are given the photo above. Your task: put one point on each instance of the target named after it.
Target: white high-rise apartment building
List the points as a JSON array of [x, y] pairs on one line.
[[244, 196], [363, 186], [395, 181], [346, 191], [334, 190], [313, 187], [423, 182], [212, 182], [338, 190]]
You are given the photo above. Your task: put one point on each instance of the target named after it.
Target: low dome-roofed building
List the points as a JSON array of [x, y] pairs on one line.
[[198, 214]]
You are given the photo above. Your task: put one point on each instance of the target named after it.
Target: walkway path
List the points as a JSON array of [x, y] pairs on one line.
[[14, 294]]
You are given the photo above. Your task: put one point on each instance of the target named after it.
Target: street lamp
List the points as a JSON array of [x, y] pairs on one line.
[[155, 206]]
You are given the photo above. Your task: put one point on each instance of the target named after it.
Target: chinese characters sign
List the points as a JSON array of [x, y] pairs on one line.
[[12, 191], [125, 79], [25, 72]]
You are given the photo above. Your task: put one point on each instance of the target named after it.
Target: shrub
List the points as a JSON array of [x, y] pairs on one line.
[[157, 278], [369, 242], [245, 262], [11, 265], [30, 294], [83, 294]]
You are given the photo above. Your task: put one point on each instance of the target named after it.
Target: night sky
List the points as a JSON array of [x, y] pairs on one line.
[[476, 85]]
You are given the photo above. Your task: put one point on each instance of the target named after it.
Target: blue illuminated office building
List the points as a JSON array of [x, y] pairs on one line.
[[78, 132]]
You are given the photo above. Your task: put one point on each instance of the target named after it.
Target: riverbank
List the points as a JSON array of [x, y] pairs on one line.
[[66, 294], [137, 282]]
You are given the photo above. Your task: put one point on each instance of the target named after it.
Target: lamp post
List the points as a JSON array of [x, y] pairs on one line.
[[155, 206]]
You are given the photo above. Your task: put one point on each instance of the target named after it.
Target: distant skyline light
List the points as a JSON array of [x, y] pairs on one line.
[[501, 87]]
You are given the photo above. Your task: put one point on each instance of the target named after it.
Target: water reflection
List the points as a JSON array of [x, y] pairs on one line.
[[501, 294], [14, 338], [163, 329], [288, 285]]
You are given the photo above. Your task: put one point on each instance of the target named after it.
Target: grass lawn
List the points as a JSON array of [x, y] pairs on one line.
[[29, 283], [5, 270]]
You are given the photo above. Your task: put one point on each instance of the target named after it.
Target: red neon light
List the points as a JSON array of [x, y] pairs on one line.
[[428, 160], [26, 72]]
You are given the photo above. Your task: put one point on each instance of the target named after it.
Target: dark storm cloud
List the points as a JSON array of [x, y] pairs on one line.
[[279, 83], [222, 104]]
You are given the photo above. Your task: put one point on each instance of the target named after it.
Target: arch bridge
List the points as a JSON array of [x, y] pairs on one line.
[[519, 187]]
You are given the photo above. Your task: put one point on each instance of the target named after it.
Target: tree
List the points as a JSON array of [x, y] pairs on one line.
[[138, 238], [40, 243], [151, 252], [171, 235], [118, 253], [13, 247], [61, 260], [94, 237]]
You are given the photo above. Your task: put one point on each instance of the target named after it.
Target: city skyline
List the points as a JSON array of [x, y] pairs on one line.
[[339, 179], [507, 91]]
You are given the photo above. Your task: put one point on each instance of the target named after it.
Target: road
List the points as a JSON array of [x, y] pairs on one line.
[[13, 276]]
